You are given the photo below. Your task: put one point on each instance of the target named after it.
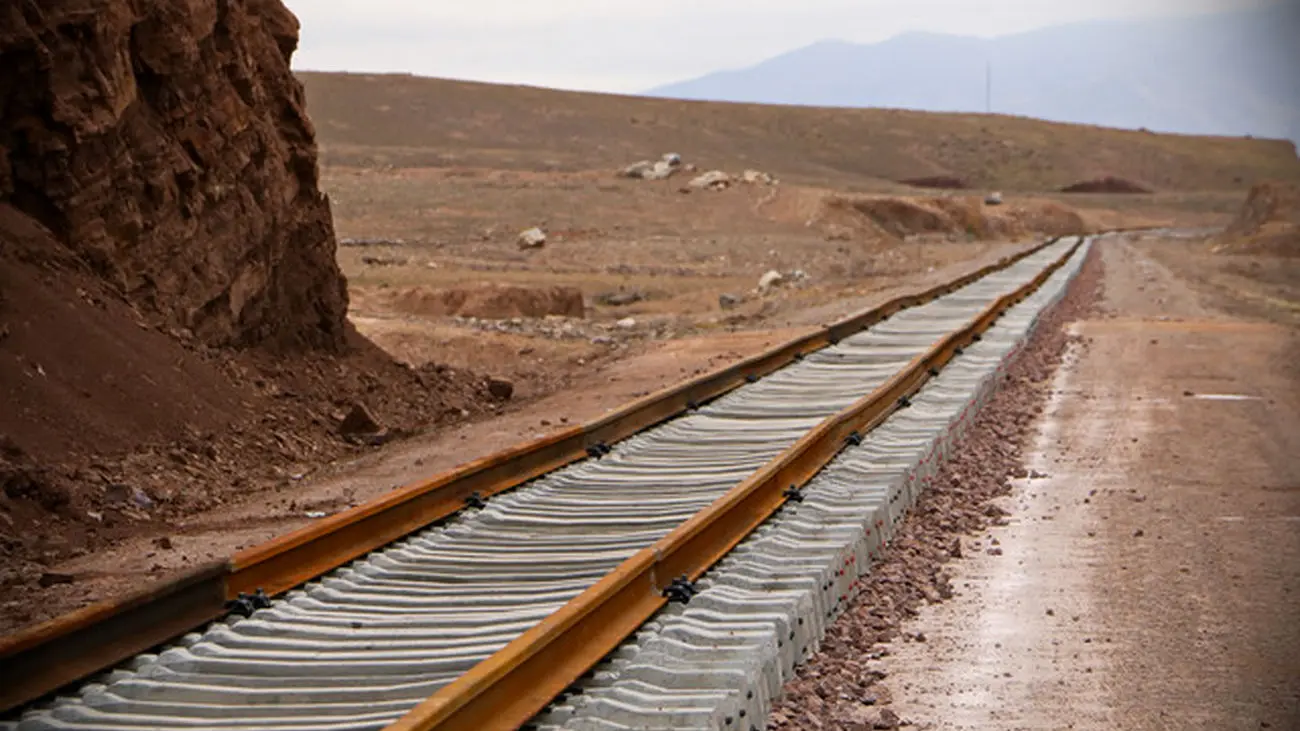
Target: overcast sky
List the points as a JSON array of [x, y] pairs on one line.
[[633, 45]]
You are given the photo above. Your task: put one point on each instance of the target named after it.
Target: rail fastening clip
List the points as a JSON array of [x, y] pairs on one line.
[[681, 590]]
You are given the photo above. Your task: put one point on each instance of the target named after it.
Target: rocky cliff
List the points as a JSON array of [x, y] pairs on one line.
[[165, 143]]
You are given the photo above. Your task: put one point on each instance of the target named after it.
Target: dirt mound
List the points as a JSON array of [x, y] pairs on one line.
[[1108, 184], [898, 217], [111, 426], [167, 146], [491, 301], [956, 216], [1268, 223], [942, 182]]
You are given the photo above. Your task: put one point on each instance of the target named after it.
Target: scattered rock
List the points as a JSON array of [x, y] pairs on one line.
[[993, 199], [359, 422], [602, 340], [757, 177], [627, 323], [888, 719], [712, 180], [835, 232], [662, 169], [163, 542], [350, 242], [619, 299], [728, 301], [500, 389], [533, 238], [116, 493], [770, 280], [141, 498], [51, 578], [637, 170], [383, 261]]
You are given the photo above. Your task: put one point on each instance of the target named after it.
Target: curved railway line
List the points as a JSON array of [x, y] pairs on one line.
[[664, 567]]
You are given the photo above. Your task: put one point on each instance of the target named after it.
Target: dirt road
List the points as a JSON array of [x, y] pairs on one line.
[[1149, 577]]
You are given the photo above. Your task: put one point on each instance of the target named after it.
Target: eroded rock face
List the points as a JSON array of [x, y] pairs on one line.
[[165, 142]]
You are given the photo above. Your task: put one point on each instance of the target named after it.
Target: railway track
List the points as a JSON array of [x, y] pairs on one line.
[[482, 618]]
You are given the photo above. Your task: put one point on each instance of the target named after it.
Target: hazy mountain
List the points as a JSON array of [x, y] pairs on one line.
[[1231, 74]]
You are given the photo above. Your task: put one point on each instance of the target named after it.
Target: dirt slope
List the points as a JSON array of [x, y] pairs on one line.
[[408, 121]]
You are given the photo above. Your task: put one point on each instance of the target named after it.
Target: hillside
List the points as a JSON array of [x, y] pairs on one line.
[[1229, 74], [407, 121]]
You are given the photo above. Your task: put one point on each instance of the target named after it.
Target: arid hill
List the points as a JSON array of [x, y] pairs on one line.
[[408, 121]]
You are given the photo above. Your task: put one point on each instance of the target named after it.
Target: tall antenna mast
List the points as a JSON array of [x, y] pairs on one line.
[[988, 86]]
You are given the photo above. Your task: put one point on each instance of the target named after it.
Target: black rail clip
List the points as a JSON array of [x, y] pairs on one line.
[[598, 450], [475, 500], [934, 372], [751, 378], [904, 402], [245, 604], [794, 493], [681, 590], [854, 439], [693, 405]]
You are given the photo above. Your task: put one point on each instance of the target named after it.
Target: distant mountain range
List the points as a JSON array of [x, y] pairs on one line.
[[1226, 74]]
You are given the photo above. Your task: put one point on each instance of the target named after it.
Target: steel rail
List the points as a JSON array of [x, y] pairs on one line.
[[514, 684], [40, 660]]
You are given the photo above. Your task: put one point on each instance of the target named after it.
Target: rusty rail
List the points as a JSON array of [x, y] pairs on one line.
[[48, 656], [510, 687]]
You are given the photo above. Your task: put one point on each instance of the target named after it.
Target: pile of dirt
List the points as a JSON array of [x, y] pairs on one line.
[[1108, 184], [899, 217], [490, 301], [940, 182], [1268, 223], [168, 147], [955, 216]]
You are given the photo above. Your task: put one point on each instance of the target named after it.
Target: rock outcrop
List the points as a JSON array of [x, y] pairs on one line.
[[165, 143], [1268, 222]]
